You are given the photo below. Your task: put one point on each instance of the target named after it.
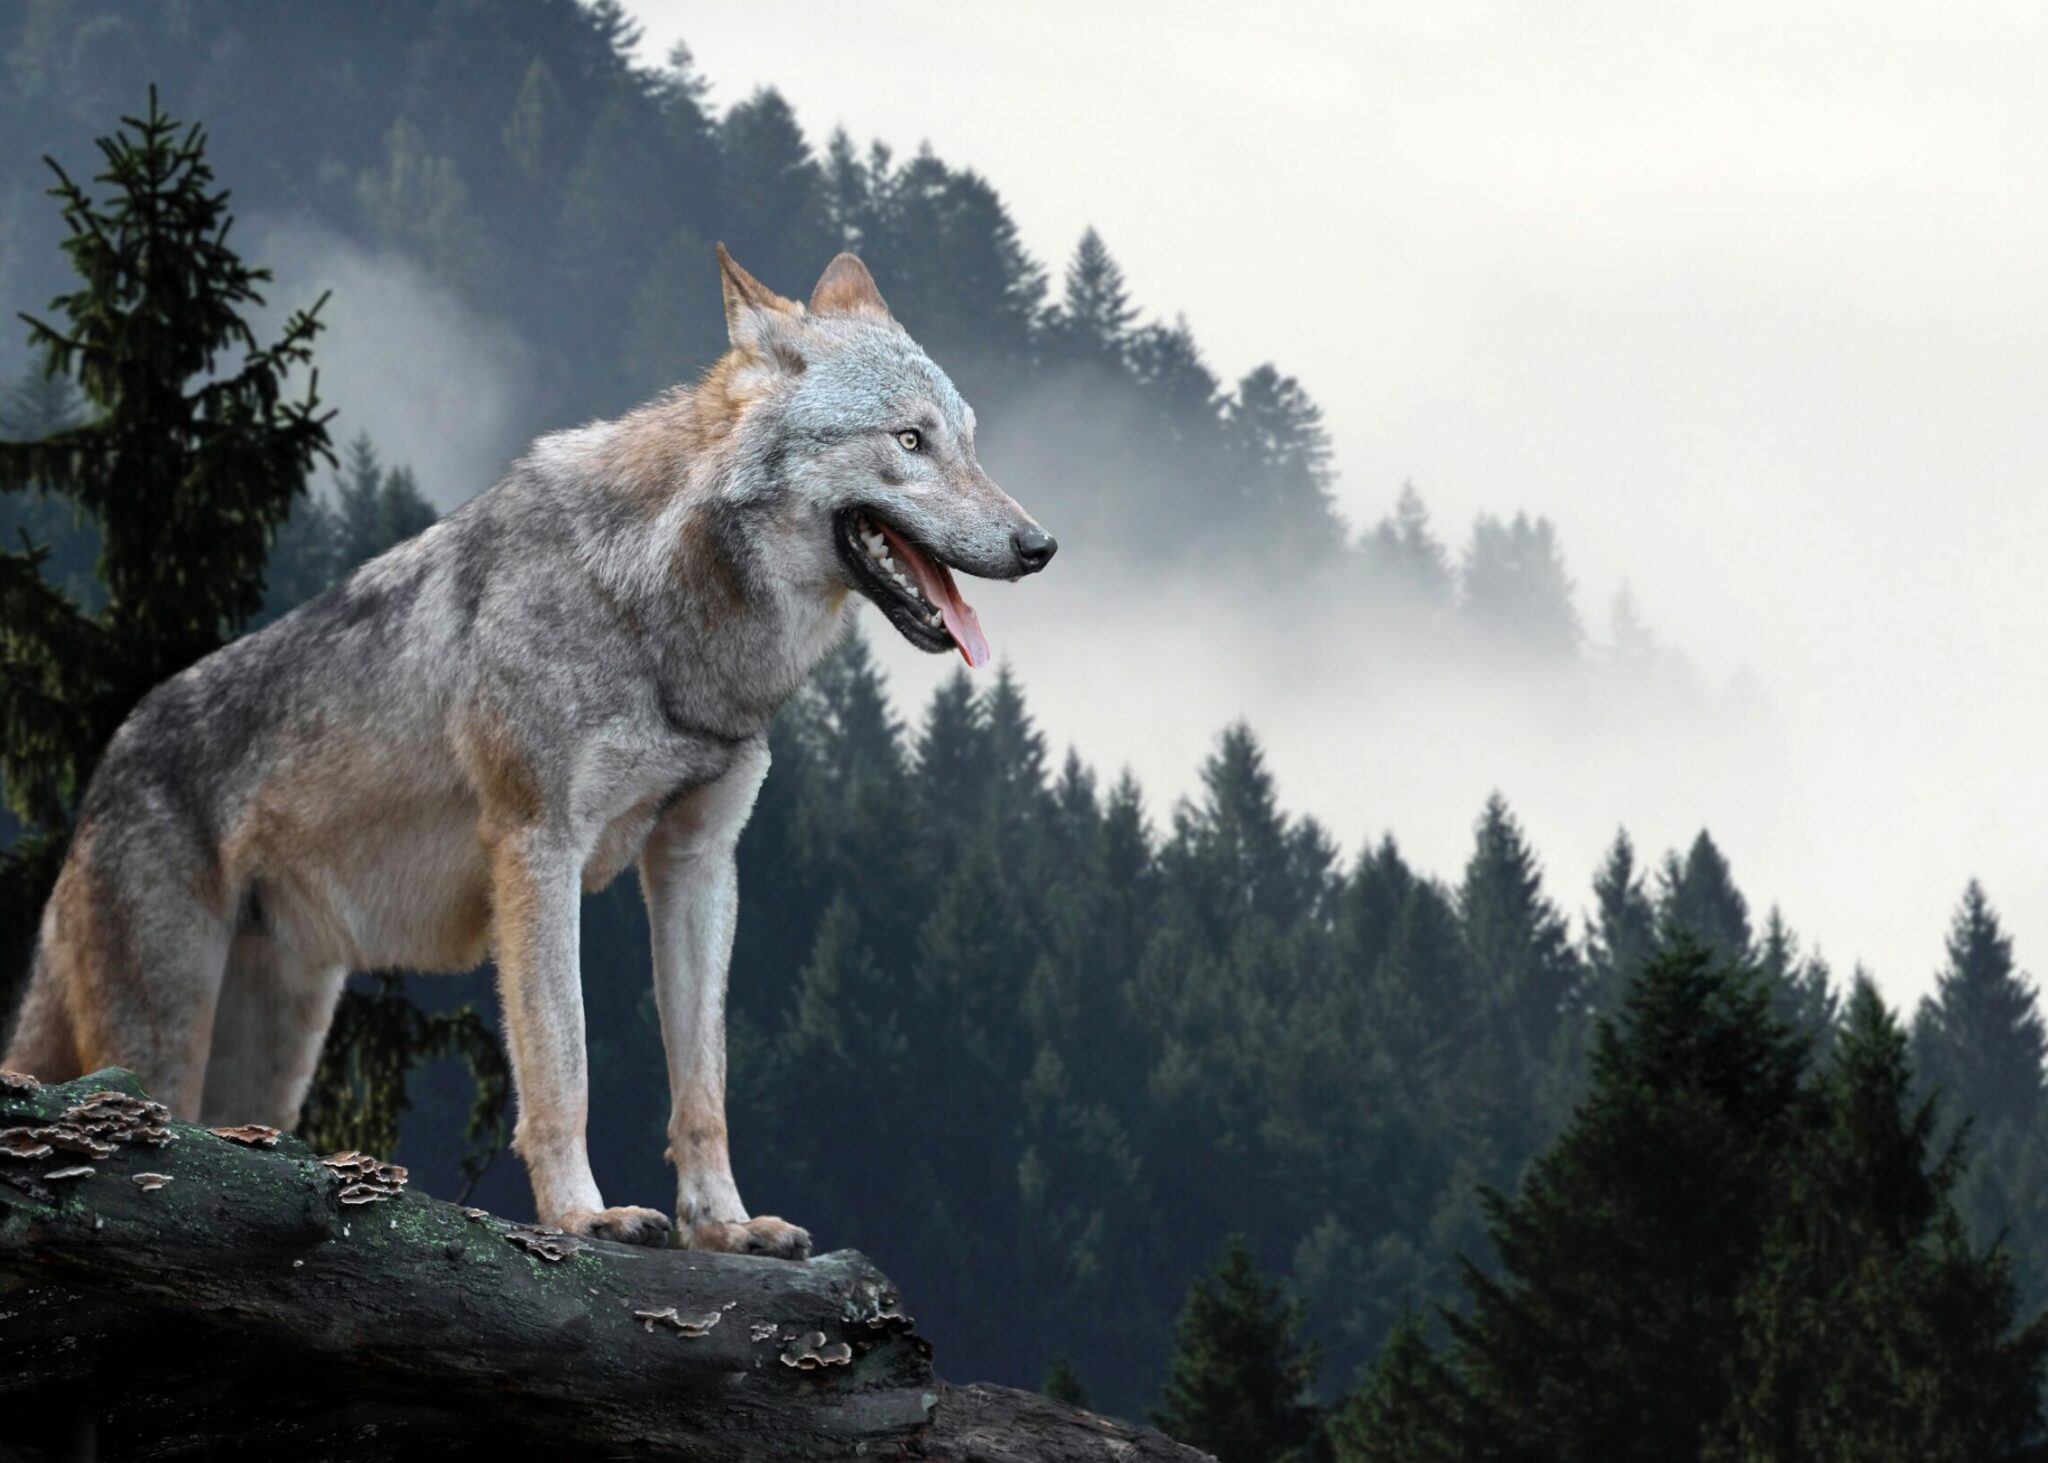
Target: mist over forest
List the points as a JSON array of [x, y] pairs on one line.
[[529, 247], [1312, 934]]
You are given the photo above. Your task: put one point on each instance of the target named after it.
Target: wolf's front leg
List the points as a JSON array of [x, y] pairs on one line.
[[536, 906], [691, 885]]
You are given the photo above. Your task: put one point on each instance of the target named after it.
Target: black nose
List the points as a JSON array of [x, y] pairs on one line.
[[1035, 548]]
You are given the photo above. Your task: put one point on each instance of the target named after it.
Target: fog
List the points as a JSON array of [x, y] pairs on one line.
[[1374, 725], [433, 384], [1747, 298]]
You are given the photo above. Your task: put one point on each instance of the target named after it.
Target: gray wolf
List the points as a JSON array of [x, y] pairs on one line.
[[572, 673]]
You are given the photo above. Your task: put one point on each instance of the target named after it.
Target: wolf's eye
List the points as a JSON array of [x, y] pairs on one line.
[[909, 440]]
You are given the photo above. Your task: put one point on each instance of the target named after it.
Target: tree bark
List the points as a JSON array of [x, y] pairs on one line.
[[261, 1301]]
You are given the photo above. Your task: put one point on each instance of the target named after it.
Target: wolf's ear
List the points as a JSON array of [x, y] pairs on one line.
[[846, 288], [756, 318]]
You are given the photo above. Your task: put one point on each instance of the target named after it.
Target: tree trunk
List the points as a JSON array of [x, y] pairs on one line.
[[259, 1301]]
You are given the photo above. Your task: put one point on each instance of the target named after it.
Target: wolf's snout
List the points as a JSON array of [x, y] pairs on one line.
[[1035, 548]]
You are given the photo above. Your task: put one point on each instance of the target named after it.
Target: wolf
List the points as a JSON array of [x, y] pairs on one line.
[[573, 672]]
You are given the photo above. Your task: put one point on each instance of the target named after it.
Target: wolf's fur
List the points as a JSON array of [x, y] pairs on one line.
[[425, 765]]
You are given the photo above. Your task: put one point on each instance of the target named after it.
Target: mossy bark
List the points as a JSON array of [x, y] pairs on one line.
[[241, 1309]]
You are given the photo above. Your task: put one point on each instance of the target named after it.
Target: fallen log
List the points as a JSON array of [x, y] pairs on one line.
[[170, 1291]]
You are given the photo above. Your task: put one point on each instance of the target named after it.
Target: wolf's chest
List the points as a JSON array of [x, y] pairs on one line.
[[638, 798]]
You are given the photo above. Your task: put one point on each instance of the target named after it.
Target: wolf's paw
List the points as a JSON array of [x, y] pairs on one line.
[[627, 1223], [764, 1236]]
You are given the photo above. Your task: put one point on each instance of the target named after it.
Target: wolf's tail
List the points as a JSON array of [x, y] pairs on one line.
[[45, 1044]]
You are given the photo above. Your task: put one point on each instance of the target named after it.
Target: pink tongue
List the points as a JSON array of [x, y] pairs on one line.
[[936, 580]]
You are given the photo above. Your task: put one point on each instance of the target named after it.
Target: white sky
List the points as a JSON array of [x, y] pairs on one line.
[[1751, 298]]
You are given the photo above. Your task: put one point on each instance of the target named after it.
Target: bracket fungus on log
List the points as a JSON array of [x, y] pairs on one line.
[[120, 1117], [539, 1240], [364, 1179], [256, 1135], [68, 1138], [811, 1352], [244, 1319], [18, 1082], [684, 1325], [23, 1143]]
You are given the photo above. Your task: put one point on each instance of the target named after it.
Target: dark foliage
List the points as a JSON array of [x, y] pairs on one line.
[[1724, 1255], [182, 449], [1239, 1379]]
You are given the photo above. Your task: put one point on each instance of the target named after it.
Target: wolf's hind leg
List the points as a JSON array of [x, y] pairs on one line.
[[273, 1015], [138, 966], [43, 1044]]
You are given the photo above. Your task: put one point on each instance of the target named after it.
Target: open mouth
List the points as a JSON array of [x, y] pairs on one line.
[[911, 587]]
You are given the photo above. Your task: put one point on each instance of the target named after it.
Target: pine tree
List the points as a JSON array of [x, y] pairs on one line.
[[1699, 896], [1404, 1409], [304, 559], [1517, 945], [1872, 1332], [1404, 559], [1514, 588], [774, 211], [619, 204], [533, 131], [1606, 1334], [1063, 1383], [417, 202], [1239, 1376], [189, 460], [1018, 804], [1276, 435], [1126, 899], [1398, 938], [1623, 934], [954, 269], [1422, 992], [1980, 1037], [1235, 853], [375, 508], [1094, 318], [850, 189], [954, 766], [322, 542], [1179, 389], [848, 829], [1801, 994]]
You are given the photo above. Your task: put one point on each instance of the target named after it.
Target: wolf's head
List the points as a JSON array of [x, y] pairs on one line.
[[877, 451]]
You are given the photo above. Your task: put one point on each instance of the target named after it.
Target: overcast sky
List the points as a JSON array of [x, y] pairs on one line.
[[1751, 298]]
